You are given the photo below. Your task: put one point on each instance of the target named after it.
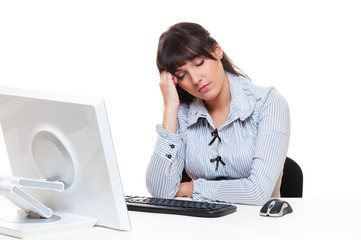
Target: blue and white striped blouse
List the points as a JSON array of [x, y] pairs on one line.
[[248, 154]]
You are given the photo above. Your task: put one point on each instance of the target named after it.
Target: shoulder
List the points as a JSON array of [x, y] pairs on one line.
[[262, 95], [250, 99], [271, 108], [255, 102]]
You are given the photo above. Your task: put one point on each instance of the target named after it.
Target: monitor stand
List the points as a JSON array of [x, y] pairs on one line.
[[32, 218], [21, 225]]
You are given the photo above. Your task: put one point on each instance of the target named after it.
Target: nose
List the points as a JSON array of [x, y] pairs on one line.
[[195, 76]]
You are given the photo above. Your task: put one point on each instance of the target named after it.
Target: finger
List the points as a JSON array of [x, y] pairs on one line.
[[163, 75], [164, 78]]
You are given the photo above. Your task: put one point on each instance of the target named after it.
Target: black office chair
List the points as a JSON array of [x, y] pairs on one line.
[[292, 180]]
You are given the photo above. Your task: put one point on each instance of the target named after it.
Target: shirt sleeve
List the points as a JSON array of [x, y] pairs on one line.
[[270, 152], [165, 169]]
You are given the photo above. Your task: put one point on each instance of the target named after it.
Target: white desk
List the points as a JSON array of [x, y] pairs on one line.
[[311, 219]]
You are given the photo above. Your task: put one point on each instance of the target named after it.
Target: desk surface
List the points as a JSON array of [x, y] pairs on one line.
[[312, 218]]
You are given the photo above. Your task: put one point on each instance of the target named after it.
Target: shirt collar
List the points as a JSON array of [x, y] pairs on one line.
[[241, 106], [197, 110], [243, 101]]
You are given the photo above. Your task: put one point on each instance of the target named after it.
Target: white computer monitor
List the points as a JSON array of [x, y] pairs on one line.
[[65, 138]]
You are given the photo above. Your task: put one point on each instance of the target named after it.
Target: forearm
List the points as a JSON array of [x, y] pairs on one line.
[[170, 119], [166, 165], [243, 191], [160, 182]]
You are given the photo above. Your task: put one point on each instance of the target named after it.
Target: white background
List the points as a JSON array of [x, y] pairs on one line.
[[309, 50]]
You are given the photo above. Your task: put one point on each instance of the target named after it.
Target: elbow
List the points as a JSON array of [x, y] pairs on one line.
[[262, 196], [160, 190], [153, 187], [261, 200], [150, 187]]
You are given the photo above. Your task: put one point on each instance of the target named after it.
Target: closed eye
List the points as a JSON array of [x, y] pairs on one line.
[[180, 77], [200, 62]]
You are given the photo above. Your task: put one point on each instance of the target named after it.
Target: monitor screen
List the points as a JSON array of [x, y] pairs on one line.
[[65, 138]]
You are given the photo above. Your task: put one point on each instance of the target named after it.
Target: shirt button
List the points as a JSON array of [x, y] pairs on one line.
[[169, 156], [172, 146]]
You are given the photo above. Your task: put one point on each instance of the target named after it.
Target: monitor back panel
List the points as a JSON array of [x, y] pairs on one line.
[[60, 137]]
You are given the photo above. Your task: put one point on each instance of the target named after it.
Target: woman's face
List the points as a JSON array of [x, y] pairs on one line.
[[203, 77]]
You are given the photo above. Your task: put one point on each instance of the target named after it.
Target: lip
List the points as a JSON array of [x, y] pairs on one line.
[[204, 88]]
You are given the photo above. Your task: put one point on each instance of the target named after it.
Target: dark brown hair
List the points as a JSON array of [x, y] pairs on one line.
[[184, 42]]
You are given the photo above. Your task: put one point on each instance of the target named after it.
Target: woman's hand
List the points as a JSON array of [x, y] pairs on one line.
[[185, 190], [167, 85]]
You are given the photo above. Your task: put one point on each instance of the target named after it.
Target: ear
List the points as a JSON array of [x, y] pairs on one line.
[[218, 52]]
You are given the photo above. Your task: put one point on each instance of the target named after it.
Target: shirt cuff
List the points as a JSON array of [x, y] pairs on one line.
[[205, 191], [167, 144]]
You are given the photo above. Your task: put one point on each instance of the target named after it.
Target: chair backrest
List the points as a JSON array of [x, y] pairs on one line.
[[292, 180]]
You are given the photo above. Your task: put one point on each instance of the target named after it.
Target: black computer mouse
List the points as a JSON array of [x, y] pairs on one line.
[[275, 208]]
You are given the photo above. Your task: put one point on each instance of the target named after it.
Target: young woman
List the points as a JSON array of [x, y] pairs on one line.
[[227, 134]]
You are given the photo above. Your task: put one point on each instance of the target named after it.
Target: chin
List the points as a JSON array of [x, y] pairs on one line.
[[208, 96]]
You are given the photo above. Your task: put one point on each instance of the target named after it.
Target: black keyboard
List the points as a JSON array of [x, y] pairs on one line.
[[176, 206]]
